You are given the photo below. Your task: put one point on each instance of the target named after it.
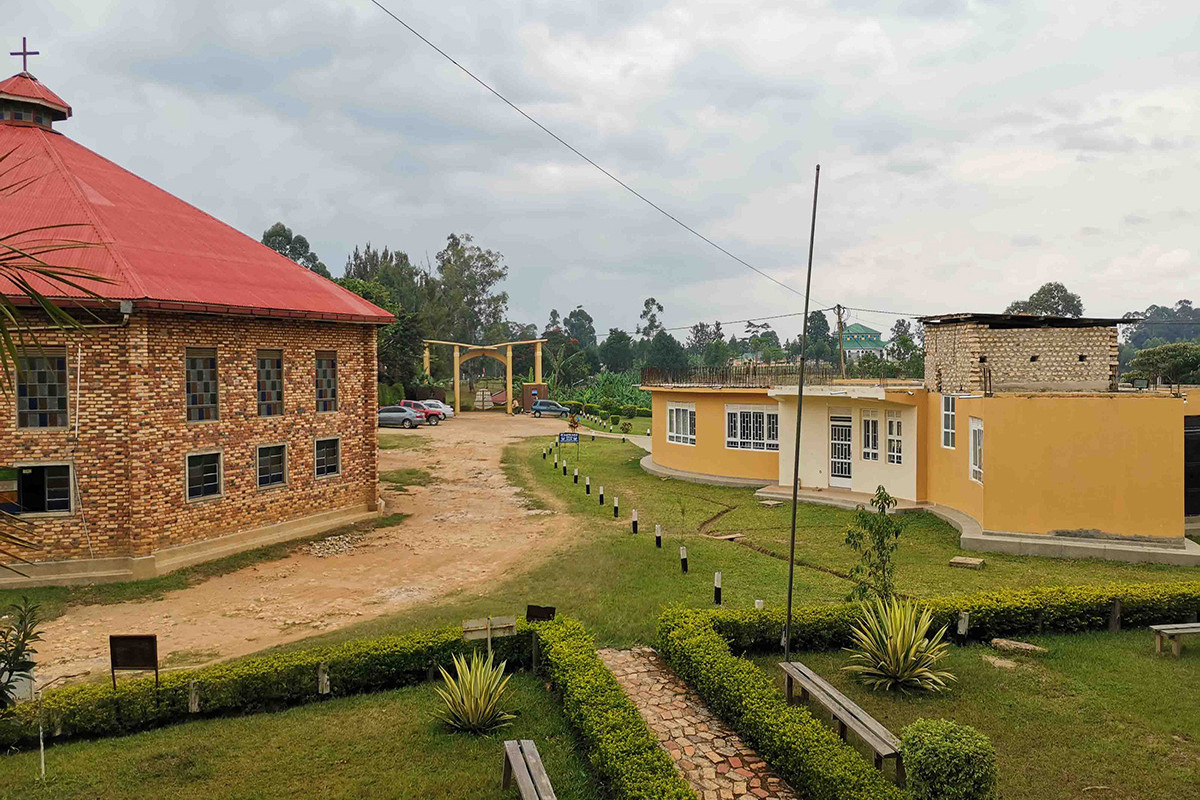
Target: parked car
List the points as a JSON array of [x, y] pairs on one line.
[[437, 405], [399, 417], [550, 408], [432, 417]]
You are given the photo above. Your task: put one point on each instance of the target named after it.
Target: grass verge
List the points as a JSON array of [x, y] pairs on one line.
[[400, 479]]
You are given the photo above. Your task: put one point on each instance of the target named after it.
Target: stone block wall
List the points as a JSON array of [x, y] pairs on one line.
[[129, 453], [960, 357]]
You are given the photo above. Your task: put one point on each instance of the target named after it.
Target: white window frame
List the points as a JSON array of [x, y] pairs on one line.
[[745, 423], [895, 438], [976, 471], [870, 434], [681, 423], [949, 420]]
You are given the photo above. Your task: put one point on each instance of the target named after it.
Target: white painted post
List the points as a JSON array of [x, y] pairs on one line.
[[683, 559], [758, 604], [587, 485], [658, 536], [635, 520], [717, 588]]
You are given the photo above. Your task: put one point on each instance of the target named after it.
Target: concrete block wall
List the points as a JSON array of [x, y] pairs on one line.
[[129, 454], [958, 358]]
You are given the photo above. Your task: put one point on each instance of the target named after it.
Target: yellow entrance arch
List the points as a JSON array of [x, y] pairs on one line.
[[465, 352]]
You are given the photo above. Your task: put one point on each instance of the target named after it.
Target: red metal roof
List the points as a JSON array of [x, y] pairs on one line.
[[24, 86], [157, 250]]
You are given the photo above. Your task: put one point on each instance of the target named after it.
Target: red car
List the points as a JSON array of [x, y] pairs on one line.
[[431, 417]]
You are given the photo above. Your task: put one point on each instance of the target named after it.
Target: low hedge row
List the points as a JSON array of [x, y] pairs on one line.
[[253, 684], [1003, 612], [804, 751], [947, 761], [615, 738]]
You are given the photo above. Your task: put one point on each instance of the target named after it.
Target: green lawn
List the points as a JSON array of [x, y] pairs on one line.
[[401, 479], [1098, 710], [640, 425], [54, 600], [378, 745], [400, 439]]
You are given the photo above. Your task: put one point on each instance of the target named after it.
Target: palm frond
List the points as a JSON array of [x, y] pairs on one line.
[[893, 650]]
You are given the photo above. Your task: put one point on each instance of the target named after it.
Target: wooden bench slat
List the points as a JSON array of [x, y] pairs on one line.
[[519, 770], [883, 741], [1182, 627], [537, 771]]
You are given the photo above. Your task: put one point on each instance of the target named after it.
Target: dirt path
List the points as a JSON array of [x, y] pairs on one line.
[[465, 528]]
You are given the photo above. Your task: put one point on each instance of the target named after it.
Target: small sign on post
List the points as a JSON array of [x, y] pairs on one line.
[[133, 652], [568, 438], [489, 628]]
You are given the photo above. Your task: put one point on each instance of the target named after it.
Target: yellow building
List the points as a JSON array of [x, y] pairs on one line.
[[1018, 435]]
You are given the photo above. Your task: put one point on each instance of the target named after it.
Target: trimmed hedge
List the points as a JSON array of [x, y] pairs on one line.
[[614, 419], [629, 411], [804, 751], [591, 409], [644, 412], [1004, 612], [948, 761], [616, 739], [253, 684], [574, 406]]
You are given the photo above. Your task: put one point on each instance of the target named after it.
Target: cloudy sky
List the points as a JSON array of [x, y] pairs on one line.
[[970, 150]]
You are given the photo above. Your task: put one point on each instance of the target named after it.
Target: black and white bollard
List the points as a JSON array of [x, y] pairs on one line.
[[717, 588], [543, 454], [593, 437], [758, 605], [564, 468], [658, 536], [601, 495], [622, 440], [556, 460], [575, 477], [616, 506], [587, 485], [635, 520], [683, 559]]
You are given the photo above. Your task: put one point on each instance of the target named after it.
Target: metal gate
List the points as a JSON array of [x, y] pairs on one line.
[[1191, 466], [840, 449]]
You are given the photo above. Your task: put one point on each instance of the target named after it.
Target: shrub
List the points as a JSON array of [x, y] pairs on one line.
[[947, 761], [629, 411], [390, 395], [574, 406], [612, 732], [614, 419], [18, 633], [626, 427], [473, 696], [804, 751], [892, 649], [591, 409], [253, 684], [644, 412], [875, 536]]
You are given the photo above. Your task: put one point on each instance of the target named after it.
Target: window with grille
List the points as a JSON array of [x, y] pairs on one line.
[[272, 465], [870, 435], [948, 420], [44, 489], [328, 457], [681, 423], [42, 389], [270, 383], [751, 427], [201, 365], [895, 434], [976, 449], [327, 381], [203, 475]]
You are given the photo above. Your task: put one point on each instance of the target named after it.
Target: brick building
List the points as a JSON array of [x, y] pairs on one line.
[[219, 397]]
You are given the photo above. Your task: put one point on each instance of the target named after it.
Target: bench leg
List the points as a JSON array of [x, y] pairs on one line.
[[841, 728], [879, 762], [901, 775], [1157, 643], [1176, 645], [506, 781], [787, 679]]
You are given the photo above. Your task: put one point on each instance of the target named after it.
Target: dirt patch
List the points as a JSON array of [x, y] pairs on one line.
[[466, 527]]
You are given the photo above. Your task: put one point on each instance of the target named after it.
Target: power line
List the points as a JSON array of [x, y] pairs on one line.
[[574, 150], [751, 319]]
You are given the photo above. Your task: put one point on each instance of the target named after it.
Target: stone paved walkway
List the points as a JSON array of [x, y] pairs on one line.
[[713, 758]]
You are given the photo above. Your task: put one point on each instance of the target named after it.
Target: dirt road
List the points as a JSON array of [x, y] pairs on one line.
[[466, 528]]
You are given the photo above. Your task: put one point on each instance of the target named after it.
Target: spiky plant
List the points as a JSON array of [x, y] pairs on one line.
[[893, 650], [473, 697]]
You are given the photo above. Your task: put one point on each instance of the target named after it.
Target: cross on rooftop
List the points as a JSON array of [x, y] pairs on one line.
[[24, 53]]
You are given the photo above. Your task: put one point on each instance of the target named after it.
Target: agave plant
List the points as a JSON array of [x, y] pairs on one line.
[[473, 697], [892, 648]]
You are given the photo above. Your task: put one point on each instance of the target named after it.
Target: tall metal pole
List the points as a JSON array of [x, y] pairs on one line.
[[787, 627]]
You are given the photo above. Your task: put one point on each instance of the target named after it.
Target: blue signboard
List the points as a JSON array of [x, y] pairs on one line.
[[568, 438]]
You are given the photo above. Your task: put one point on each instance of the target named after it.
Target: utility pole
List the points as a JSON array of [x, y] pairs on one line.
[[841, 342], [787, 626]]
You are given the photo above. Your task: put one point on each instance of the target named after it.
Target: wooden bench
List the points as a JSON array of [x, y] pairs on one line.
[[1174, 633], [847, 715], [522, 761]]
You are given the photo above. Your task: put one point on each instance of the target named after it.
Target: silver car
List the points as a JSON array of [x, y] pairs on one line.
[[399, 417], [440, 407]]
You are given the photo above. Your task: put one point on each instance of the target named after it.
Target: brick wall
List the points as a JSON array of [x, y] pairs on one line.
[[958, 356], [133, 437]]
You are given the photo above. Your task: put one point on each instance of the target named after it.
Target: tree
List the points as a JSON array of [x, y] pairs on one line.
[[18, 631], [555, 322], [578, 325], [399, 344], [763, 342], [1178, 362], [616, 351], [716, 354], [1051, 300], [650, 325], [466, 302], [875, 536], [702, 334], [279, 237], [666, 353], [1177, 323]]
